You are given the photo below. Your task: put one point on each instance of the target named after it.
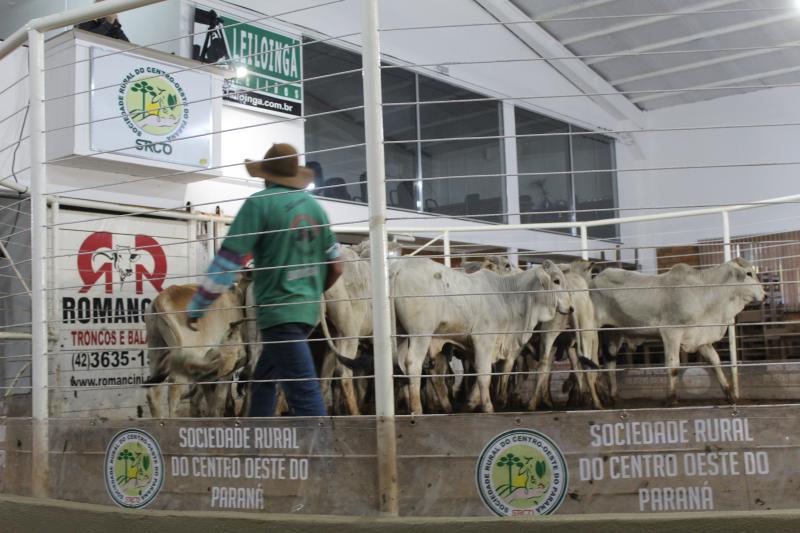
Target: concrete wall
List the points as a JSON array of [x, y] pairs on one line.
[[766, 154]]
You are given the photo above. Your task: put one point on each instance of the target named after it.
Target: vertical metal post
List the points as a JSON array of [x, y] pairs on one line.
[[381, 316], [584, 242], [726, 250], [512, 168], [39, 351], [446, 247]]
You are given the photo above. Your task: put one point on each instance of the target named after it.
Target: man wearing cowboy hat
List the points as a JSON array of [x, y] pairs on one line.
[[296, 258]]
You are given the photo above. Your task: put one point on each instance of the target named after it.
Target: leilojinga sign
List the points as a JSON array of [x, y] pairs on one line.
[[151, 110], [275, 68]]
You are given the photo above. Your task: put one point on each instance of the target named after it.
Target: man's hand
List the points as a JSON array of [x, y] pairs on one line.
[[191, 321], [335, 270]]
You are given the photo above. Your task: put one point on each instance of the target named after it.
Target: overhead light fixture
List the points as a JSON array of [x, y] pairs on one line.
[[242, 72]]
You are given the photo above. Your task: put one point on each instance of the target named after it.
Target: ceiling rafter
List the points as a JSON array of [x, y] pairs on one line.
[[696, 36], [577, 73], [576, 6], [638, 23], [704, 63]]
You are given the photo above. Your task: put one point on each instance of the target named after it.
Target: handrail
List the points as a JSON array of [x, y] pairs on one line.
[[68, 18], [587, 223]]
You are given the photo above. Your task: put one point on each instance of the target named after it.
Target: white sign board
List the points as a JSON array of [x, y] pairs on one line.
[[108, 272], [150, 110]]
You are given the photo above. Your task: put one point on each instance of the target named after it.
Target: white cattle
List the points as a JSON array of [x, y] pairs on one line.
[[582, 319], [687, 308], [492, 315], [347, 306], [182, 355]]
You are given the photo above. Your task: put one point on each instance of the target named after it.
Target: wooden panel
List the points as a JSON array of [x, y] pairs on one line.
[[742, 458]]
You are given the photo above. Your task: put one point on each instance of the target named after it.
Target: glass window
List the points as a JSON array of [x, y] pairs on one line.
[[334, 169], [595, 192], [543, 197], [400, 124], [460, 196], [348, 167]]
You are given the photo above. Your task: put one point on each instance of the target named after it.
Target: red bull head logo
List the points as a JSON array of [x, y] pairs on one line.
[[99, 258]]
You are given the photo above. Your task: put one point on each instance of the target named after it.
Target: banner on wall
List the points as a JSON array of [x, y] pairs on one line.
[[509, 464], [273, 63], [162, 111], [108, 273]]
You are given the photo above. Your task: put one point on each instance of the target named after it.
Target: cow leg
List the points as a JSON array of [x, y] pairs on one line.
[[541, 394], [614, 346], [712, 357], [417, 350], [327, 371], [484, 351], [440, 367], [672, 355], [211, 392], [349, 349], [503, 380], [174, 395], [591, 377], [154, 400], [590, 341], [348, 391]]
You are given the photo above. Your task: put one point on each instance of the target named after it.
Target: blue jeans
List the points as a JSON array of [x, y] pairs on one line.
[[286, 360]]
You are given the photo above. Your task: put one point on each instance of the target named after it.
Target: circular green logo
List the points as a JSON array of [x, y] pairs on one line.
[[153, 102], [521, 472], [134, 468]]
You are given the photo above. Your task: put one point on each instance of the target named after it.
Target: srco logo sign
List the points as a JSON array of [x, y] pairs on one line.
[[101, 260]]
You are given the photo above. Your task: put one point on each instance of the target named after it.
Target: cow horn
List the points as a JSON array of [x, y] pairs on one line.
[[239, 322]]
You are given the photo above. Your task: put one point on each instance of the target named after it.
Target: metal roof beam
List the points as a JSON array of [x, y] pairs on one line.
[[720, 83], [566, 10], [696, 36], [646, 21], [545, 45], [704, 63]]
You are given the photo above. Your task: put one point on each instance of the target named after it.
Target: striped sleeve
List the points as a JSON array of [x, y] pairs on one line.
[[221, 275]]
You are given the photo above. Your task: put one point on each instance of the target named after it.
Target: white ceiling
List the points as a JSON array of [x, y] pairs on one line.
[[647, 34]]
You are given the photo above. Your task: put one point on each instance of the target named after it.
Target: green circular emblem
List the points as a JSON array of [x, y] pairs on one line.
[[153, 102], [521, 472], [134, 468]]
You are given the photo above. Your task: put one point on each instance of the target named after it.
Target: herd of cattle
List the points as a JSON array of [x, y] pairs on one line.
[[481, 336]]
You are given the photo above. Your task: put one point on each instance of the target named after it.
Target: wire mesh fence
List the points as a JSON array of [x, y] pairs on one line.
[[518, 274]]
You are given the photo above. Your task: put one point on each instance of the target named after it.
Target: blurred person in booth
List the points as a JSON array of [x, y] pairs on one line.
[[296, 258], [108, 26]]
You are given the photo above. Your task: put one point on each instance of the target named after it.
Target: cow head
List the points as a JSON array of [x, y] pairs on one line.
[[122, 261], [229, 354], [588, 270], [744, 275], [559, 285], [99, 258], [499, 264]]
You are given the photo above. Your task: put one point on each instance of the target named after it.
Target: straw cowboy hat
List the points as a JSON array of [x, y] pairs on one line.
[[281, 167]]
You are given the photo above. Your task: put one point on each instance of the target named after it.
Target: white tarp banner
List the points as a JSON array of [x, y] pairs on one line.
[[108, 272], [163, 112]]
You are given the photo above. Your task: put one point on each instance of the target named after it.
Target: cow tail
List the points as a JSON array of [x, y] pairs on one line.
[[393, 324], [352, 364]]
